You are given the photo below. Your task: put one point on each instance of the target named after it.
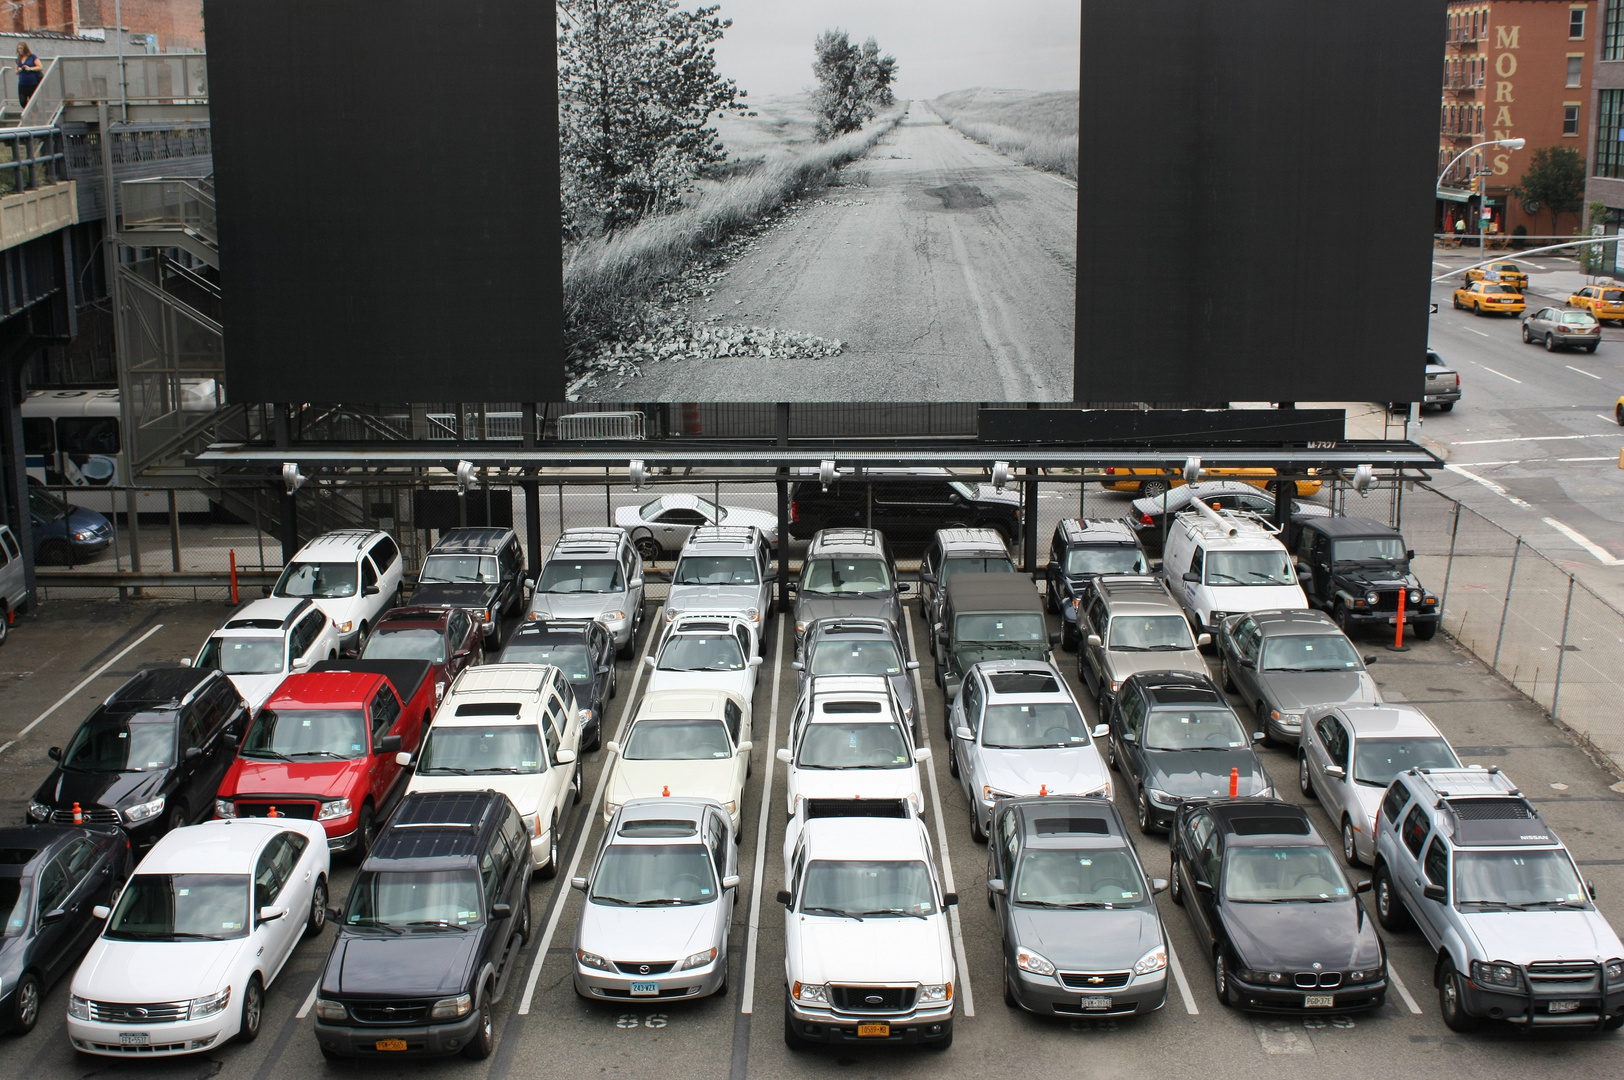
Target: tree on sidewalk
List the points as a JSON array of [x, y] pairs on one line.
[[853, 81], [1555, 180]]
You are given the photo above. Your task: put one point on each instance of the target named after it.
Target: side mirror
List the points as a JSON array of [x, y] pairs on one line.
[[938, 627], [791, 586], [797, 665], [529, 584], [963, 732], [100, 911], [785, 898], [265, 590], [784, 755], [230, 737], [1335, 772], [1192, 577], [54, 915], [1101, 730], [1054, 637], [927, 577], [1203, 639], [912, 665], [1158, 885], [730, 882], [950, 899], [604, 669], [1434, 892], [271, 914], [300, 663], [746, 746], [1589, 888], [193, 753], [1095, 640], [369, 590], [501, 911], [921, 753], [1204, 885], [1410, 554], [612, 747], [1257, 736], [566, 756], [1248, 663], [1361, 886], [186, 661], [403, 759], [1303, 571], [389, 744], [1371, 659], [578, 883], [54, 753], [1128, 736], [334, 912], [995, 885], [636, 583], [755, 661], [649, 661]]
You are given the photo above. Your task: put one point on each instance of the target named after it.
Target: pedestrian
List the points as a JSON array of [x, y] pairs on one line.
[[28, 73]]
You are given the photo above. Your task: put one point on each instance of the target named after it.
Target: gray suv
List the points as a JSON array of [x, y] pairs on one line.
[[1130, 623], [724, 569], [1466, 857], [847, 572], [958, 551], [593, 574]]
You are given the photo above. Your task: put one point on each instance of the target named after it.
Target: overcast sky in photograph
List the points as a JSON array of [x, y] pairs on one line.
[[940, 45]]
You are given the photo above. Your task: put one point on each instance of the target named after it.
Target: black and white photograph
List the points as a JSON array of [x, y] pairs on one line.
[[830, 201]]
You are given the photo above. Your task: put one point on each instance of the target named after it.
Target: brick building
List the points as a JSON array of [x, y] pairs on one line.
[[162, 25], [1606, 159], [1512, 69]]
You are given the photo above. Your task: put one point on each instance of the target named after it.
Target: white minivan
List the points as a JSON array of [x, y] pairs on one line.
[[1224, 562], [353, 575]]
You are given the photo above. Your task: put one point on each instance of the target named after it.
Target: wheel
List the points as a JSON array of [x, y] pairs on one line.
[[579, 782], [524, 919], [1152, 489], [1528, 339], [5, 623], [551, 869], [1009, 995], [1068, 637], [1229, 680], [1458, 304], [1550, 342], [493, 640], [1305, 783], [595, 740], [792, 1038], [1175, 890], [253, 1010], [25, 1004], [1102, 705], [1447, 406], [952, 761], [1350, 849], [628, 650], [1477, 309], [1110, 755], [367, 828], [1618, 414], [1050, 601], [1144, 812], [1426, 631], [976, 833], [1389, 908], [1449, 998], [1592, 346], [649, 549], [484, 1040], [176, 819], [54, 553], [316, 922], [1220, 980], [1343, 622]]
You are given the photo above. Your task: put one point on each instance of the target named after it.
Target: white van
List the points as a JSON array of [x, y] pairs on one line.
[[1225, 562]]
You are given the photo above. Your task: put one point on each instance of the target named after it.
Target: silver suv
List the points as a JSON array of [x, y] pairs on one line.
[[1466, 857], [724, 569], [847, 572], [1128, 623], [593, 574]]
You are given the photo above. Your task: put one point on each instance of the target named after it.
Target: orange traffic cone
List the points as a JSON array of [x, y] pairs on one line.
[[273, 813], [1234, 782], [78, 815], [666, 791]]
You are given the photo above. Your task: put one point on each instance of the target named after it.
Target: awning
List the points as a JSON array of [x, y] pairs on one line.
[[1454, 195]]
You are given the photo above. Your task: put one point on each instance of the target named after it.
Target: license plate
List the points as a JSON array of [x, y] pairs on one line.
[[872, 1031], [126, 1038], [645, 989], [1564, 1006], [1319, 1001], [1096, 1003], [390, 1044]]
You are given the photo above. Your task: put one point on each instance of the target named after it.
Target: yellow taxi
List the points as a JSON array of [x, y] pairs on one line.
[[1604, 300], [1152, 482], [1486, 296], [1506, 273]]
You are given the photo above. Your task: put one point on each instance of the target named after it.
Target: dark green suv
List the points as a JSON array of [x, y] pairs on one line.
[[989, 617]]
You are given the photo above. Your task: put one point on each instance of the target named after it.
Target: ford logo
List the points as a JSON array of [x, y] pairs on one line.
[[874, 999]]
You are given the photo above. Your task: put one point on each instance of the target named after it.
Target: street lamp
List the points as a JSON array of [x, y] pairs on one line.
[[1483, 196]]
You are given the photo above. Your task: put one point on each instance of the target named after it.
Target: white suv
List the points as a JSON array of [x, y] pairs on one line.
[[1222, 562], [867, 952], [354, 576], [724, 569], [849, 739], [265, 642]]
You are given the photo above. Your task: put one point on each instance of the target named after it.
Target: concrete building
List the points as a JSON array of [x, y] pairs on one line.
[[1512, 69]]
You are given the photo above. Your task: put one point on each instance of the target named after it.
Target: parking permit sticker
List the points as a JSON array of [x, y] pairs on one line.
[[466, 916], [1085, 862], [231, 926], [1340, 891], [355, 747], [704, 892], [304, 723], [184, 892], [529, 764], [851, 741]]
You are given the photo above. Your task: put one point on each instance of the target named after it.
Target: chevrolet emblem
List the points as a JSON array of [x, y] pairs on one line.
[[1095, 980]]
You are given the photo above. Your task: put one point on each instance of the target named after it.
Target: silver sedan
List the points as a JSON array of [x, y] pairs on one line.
[[1553, 327]]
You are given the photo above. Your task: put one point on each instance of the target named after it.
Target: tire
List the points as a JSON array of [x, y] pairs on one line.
[[1447, 406], [596, 741], [1390, 911], [1528, 339], [791, 1038], [1220, 980], [1618, 414], [649, 549], [1144, 812], [1550, 342], [316, 921], [493, 640], [1263, 723], [1305, 782], [1350, 846], [629, 650], [367, 830], [1050, 602], [524, 917], [975, 826], [1102, 705], [1229, 680], [1456, 301], [1152, 489], [1477, 310], [1069, 638], [1009, 995], [1110, 756], [1340, 613], [578, 782], [1175, 890], [1426, 631], [952, 760], [25, 1002], [550, 871], [176, 820], [5, 623], [1450, 1005], [253, 1010], [484, 1041], [1590, 349]]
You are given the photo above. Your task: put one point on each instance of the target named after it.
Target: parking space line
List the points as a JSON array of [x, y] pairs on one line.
[[65, 698], [588, 810], [1582, 371], [1184, 986], [1502, 374], [1403, 991], [747, 1000], [941, 834], [1479, 333], [1603, 556], [310, 999]]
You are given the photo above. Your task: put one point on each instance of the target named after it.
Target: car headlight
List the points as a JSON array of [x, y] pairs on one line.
[[1415, 596], [698, 959], [1154, 960], [1027, 960], [532, 824], [333, 808], [1162, 798], [38, 810], [935, 993], [609, 809], [731, 806], [1287, 719], [330, 1010], [1496, 973], [452, 1007], [1252, 975], [1264, 792], [800, 627], [1614, 970], [224, 808], [753, 614], [142, 811], [208, 1006], [78, 1008], [82, 535], [990, 794], [1365, 975], [815, 993], [1116, 684], [672, 613], [1105, 792], [593, 960], [439, 691], [616, 616], [343, 627], [1370, 598]]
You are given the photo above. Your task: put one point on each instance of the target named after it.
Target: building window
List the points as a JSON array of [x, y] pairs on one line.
[[1570, 119], [1610, 135], [1613, 40], [1576, 23], [1575, 69]]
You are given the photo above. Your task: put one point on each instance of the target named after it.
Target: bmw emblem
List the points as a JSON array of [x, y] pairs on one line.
[[1317, 966]]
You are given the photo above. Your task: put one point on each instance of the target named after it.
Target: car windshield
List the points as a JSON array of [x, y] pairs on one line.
[[416, 644], [1279, 875], [481, 751], [716, 570], [243, 655], [317, 579], [1579, 318], [1249, 568], [592, 576], [455, 568], [570, 657], [855, 658], [120, 743], [1515, 879], [830, 576], [654, 875], [989, 564], [14, 898], [45, 505], [1150, 633], [1033, 725], [1079, 878], [1360, 549], [1309, 652], [417, 901], [834, 744], [307, 733], [702, 652], [677, 740], [996, 629], [181, 907], [1193, 729], [1106, 559], [865, 889], [1378, 761]]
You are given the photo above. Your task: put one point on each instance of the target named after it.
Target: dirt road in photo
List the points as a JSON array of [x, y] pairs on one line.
[[947, 270]]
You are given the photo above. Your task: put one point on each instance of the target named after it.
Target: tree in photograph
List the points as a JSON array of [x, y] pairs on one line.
[[637, 83], [1555, 180], [853, 81]]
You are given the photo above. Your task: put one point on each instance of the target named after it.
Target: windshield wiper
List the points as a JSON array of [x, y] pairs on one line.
[[1533, 904], [896, 911], [320, 753], [841, 912], [438, 924], [445, 770], [613, 900], [273, 754], [663, 901], [397, 931], [1487, 905], [1215, 575]]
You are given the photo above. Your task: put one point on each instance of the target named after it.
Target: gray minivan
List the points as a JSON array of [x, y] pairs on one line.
[[13, 581], [989, 617]]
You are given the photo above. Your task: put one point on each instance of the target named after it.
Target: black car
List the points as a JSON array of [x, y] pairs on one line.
[[1357, 569], [436, 918], [51, 879], [1287, 929], [478, 569], [150, 758], [908, 505], [1081, 551], [1174, 737], [584, 650]]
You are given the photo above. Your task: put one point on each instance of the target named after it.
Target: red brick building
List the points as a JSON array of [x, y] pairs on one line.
[[1512, 69], [175, 25]]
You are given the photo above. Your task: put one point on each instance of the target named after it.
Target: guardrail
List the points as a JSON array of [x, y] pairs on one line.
[[163, 204], [140, 79]]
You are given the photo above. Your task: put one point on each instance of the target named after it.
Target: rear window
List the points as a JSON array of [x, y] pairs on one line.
[[1071, 825], [851, 707], [1613, 296], [655, 827], [488, 708], [1024, 682], [1269, 826]]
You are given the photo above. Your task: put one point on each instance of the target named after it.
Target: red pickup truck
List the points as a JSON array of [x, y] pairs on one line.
[[324, 745]]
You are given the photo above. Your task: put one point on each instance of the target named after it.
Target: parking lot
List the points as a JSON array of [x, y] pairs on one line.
[[74, 653]]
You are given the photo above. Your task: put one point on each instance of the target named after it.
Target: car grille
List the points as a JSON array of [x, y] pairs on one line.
[[1564, 977], [1309, 980], [391, 1012], [665, 992], [1387, 599], [284, 808], [151, 1048], [644, 967], [91, 817], [163, 1012], [873, 999], [1094, 980]]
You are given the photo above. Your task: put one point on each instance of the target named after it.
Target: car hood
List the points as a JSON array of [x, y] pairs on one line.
[[876, 950], [650, 934], [1356, 574], [318, 778], [1296, 690], [1075, 770], [524, 789], [1124, 664], [1294, 937], [811, 606], [575, 605], [256, 690], [705, 778], [64, 787], [1525, 936], [461, 594], [137, 971], [1088, 939], [713, 598], [901, 783], [1233, 598], [411, 965], [1204, 773]]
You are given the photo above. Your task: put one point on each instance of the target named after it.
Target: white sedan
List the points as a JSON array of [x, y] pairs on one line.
[[707, 652], [689, 743], [662, 525], [197, 935]]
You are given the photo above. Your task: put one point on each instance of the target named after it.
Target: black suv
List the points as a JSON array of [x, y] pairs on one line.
[[1081, 551], [150, 758], [584, 650], [908, 505], [478, 569], [1356, 570], [434, 929]]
